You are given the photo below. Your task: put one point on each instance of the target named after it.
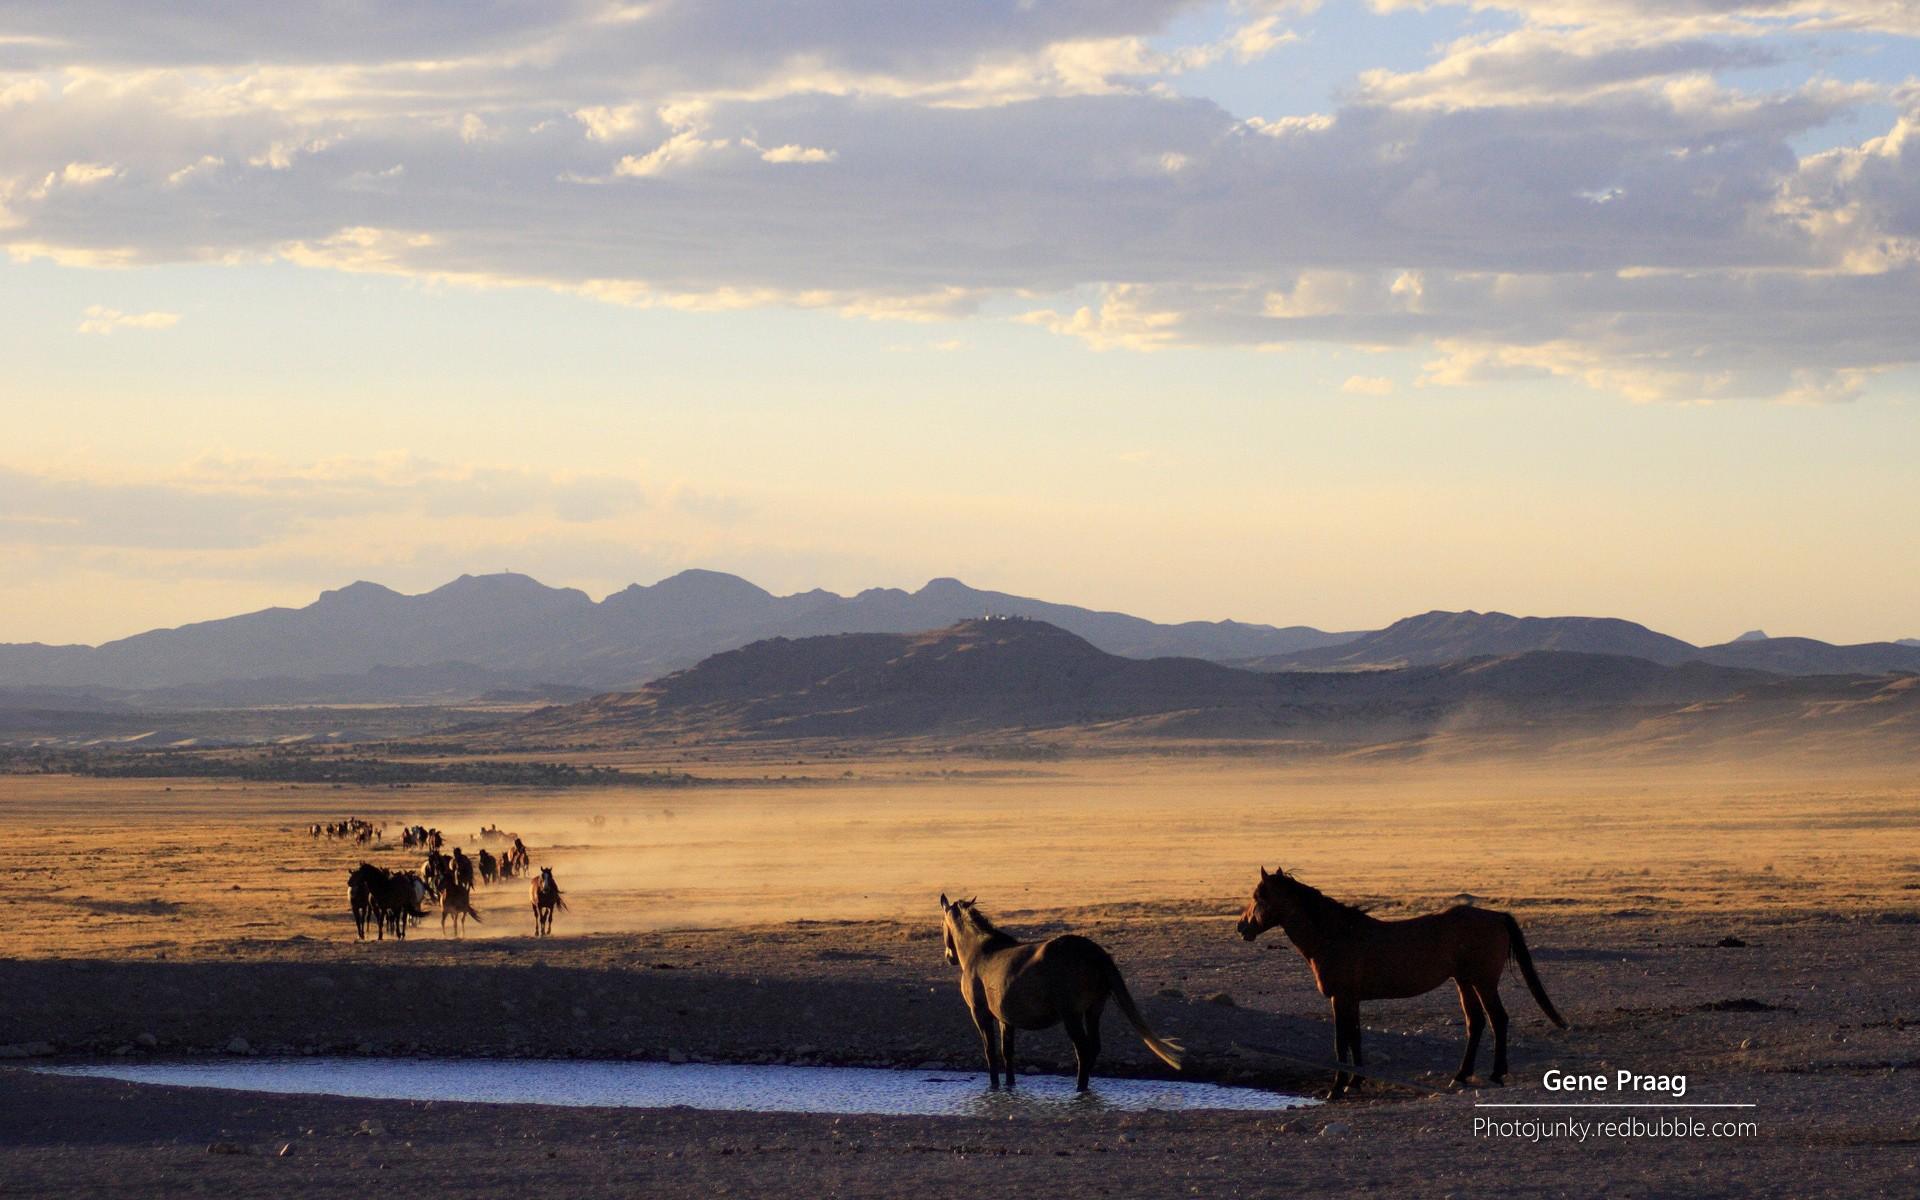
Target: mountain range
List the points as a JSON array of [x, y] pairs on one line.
[[1022, 679], [509, 635]]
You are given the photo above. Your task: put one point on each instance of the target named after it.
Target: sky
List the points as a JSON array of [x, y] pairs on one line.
[[1293, 312]]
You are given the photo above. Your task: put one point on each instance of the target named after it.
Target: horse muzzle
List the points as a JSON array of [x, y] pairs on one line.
[[1248, 929]]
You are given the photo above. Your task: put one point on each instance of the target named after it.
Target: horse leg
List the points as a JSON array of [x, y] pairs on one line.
[[1006, 1051], [1476, 1014], [1353, 1044], [1339, 1047], [990, 1046], [1093, 1033], [1082, 1053], [1490, 998]]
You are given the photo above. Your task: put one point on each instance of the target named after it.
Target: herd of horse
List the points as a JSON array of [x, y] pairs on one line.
[[1010, 985], [386, 901]]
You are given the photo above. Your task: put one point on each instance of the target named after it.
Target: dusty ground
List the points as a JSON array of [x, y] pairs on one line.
[[785, 925]]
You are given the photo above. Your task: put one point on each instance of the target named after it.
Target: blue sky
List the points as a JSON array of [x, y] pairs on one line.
[[1285, 312]]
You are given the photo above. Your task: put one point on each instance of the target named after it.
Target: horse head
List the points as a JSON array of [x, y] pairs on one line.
[[1273, 904]]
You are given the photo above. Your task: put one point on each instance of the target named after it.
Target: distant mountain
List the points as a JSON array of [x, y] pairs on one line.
[[513, 632], [1752, 635], [1440, 637], [999, 675], [1805, 656], [1908, 642]]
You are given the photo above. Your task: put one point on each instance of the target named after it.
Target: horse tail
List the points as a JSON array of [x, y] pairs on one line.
[[1527, 972], [473, 914], [1168, 1050]]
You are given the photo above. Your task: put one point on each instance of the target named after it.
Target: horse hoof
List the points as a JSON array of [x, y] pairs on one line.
[[1498, 1080]]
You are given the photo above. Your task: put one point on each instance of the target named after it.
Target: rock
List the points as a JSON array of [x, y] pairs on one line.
[[1746, 1043], [1730, 943], [371, 1129], [285, 1151], [1221, 999], [122, 1051], [1171, 993], [239, 1045], [1335, 1129], [146, 1041], [676, 1055], [931, 1065], [226, 1148], [26, 1050]]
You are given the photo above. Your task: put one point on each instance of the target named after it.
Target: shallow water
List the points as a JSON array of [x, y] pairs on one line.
[[694, 1085]]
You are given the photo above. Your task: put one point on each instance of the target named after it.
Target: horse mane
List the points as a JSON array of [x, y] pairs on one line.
[[980, 922], [1321, 901]]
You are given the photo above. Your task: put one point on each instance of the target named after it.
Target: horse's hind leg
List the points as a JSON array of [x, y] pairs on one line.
[[1490, 997], [1476, 1015], [1085, 1050], [1006, 1051]]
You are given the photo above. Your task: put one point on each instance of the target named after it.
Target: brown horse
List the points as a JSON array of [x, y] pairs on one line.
[[1356, 957], [456, 901], [546, 898], [1009, 984]]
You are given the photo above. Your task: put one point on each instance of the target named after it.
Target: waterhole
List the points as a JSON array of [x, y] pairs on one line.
[[734, 1088]]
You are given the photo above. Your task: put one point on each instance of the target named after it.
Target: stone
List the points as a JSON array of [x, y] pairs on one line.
[[285, 1151], [239, 1045], [1335, 1129], [26, 1050], [226, 1148], [146, 1041], [1221, 999]]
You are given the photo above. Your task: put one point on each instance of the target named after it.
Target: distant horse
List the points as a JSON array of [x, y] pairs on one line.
[[437, 870], [518, 857], [1009, 984], [363, 883], [456, 901], [545, 894], [400, 898], [1356, 957], [462, 869], [489, 869]]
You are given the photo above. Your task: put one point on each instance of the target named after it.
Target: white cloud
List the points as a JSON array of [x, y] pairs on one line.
[[1367, 385], [793, 153], [101, 319]]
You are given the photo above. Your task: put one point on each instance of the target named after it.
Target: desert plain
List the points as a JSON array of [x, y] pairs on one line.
[[1749, 925]]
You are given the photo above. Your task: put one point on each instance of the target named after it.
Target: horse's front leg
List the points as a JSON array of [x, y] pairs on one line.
[[1341, 1044], [1006, 1052], [989, 1045]]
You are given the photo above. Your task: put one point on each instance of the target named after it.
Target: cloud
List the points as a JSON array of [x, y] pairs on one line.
[[1367, 385], [1580, 194], [100, 319], [791, 153]]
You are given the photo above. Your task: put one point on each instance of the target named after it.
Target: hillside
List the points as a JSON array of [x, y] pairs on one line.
[[1438, 637], [1018, 675]]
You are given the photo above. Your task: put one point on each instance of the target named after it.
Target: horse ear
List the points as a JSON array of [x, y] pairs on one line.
[[1263, 872], [944, 902], [970, 900]]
